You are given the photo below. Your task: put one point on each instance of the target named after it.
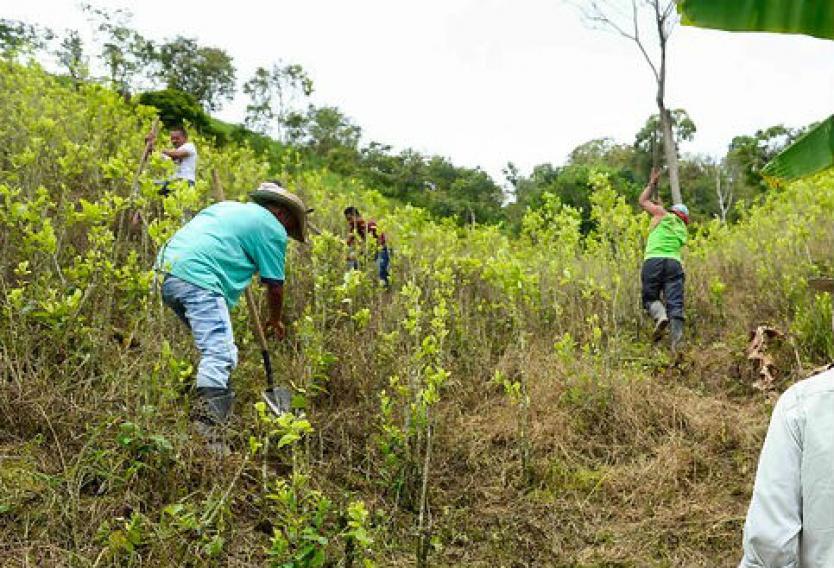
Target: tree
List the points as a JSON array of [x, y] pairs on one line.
[[125, 53], [401, 176], [273, 98], [206, 73], [572, 183], [176, 108], [384, 170], [326, 128], [19, 38], [529, 189], [70, 55], [648, 140], [468, 194], [697, 174], [511, 175], [625, 18], [747, 155], [602, 151]]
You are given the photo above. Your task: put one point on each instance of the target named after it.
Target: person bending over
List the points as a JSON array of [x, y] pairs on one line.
[[208, 263]]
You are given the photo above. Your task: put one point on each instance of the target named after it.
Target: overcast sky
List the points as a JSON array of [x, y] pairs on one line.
[[489, 81]]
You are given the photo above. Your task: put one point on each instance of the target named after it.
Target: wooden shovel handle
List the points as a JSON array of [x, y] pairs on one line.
[[146, 152], [256, 319]]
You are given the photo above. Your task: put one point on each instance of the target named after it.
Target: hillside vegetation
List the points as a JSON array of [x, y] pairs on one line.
[[502, 405]]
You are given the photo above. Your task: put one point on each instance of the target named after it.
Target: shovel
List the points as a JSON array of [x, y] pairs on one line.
[[278, 399]]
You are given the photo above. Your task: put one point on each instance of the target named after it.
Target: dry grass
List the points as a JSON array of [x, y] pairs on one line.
[[630, 467]]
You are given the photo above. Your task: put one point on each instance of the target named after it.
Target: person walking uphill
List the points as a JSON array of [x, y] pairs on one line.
[[662, 269], [209, 262]]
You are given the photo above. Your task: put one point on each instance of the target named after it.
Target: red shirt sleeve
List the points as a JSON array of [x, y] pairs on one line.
[[378, 235]]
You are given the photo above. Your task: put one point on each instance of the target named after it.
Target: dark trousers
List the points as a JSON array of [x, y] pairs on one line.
[[165, 186], [666, 275]]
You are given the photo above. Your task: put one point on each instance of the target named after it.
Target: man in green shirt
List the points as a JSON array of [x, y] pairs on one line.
[[662, 269], [209, 262]]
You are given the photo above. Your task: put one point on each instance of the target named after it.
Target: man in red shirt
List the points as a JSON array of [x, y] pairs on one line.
[[359, 229]]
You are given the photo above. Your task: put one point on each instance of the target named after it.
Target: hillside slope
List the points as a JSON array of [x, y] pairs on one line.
[[501, 406]]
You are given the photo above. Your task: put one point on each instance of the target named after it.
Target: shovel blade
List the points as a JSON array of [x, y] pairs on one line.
[[279, 400]]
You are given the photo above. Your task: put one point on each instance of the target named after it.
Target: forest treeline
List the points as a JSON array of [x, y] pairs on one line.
[[186, 81]]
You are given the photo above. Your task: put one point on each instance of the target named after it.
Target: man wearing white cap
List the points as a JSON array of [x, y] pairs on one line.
[[209, 262], [662, 269]]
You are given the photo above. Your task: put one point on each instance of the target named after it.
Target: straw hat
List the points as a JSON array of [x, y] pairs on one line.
[[269, 192]]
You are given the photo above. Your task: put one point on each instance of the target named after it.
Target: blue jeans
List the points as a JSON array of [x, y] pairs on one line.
[[383, 262], [207, 316]]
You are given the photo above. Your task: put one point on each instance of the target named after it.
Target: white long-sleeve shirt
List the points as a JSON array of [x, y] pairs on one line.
[[790, 523]]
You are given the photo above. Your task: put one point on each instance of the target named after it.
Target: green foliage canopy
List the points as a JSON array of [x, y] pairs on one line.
[[176, 108], [206, 73]]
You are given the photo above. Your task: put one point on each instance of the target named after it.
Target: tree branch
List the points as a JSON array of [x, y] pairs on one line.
[[639, 42], [604, 18]]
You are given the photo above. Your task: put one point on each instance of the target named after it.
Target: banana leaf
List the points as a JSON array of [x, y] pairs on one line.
[[810, 154], [808, 17], [814, 151]]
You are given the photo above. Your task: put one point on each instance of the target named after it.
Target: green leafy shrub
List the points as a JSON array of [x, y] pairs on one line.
[[176, 108], [812, 328]]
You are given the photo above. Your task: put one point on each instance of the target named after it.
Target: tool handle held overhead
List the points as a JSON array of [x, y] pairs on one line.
[[655, 164], [146, 152]]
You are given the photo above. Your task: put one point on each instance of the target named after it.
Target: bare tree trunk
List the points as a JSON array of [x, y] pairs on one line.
[[670, 147], [725, 195]]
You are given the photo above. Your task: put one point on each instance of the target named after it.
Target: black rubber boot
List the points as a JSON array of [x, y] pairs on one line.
[[676, 333], [210, 415]]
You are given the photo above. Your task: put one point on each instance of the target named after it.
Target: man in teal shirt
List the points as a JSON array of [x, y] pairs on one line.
[[209, 262], [662, 268]]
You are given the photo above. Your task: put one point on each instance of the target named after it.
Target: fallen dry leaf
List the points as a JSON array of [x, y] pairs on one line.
[[756, 352]]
